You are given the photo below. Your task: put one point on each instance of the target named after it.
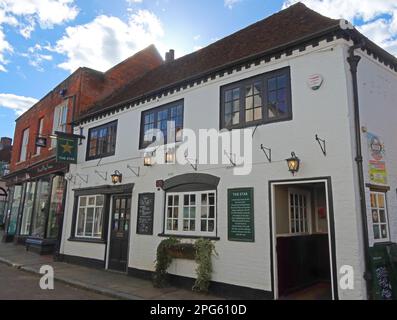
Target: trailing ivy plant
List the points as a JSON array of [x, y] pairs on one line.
[[204, 250], [163, 261]]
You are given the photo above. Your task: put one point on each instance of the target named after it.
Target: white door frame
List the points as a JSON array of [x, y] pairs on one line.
[[274, 233]]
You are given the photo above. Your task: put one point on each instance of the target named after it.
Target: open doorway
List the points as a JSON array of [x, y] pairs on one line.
[[302, 246]]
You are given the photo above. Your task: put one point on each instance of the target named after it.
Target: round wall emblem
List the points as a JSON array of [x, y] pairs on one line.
[[315, 81]]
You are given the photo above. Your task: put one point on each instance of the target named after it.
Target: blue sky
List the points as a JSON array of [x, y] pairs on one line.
[[43, 41]]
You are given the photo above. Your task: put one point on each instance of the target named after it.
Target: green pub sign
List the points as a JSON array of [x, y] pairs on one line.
[[66, 149], [241, 215]]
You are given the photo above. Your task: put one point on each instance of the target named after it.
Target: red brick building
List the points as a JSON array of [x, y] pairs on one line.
[[36, 180]]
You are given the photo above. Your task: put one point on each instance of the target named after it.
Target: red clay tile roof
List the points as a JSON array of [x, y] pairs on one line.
[[282, 28]]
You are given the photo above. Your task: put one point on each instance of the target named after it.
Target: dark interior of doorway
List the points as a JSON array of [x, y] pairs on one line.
[[303, 260]]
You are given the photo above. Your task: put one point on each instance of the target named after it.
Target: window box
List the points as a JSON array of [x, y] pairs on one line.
[[182, 251]]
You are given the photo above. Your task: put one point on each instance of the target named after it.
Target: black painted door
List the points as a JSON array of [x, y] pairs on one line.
[[119, 234]]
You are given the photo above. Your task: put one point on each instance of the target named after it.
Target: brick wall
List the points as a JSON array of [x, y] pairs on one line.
[[84, 88]]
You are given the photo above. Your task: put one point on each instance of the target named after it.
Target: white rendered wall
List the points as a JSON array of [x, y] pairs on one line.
[[325, 112]]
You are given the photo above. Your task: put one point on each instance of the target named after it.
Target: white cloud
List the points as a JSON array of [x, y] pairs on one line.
[[230, 3], [107, 40], [46, 12], [5, 47], [377, 19], [17, 103], [134, 1], [26, 14], [36, 57]]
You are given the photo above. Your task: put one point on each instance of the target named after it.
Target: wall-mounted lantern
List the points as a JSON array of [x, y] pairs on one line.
[[293, 163], [147, 160], [159, 184], [117, 177], [169, 157]]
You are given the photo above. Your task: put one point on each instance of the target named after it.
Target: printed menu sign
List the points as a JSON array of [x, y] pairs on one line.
[[145, 214], [241, 215]]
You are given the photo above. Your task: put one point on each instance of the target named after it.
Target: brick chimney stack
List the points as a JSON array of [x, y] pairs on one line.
[[170, 56], [6, 141]]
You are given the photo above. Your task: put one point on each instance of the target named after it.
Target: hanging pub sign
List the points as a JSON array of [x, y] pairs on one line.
[[66, 148], [241, 215], [377, 163]]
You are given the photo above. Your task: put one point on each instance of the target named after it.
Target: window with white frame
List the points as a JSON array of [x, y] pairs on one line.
[[90, 217], [379, 217], [191, 213], [60, 121], [24, 145]]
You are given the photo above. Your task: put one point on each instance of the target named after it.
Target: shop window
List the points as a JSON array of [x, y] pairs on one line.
[[191, 213], [90, 217], [15, 202], [30, 191], [259, 100], [168, 119], [24, 145], [40, 208], [379, 217], [56, 207], [102, 141]]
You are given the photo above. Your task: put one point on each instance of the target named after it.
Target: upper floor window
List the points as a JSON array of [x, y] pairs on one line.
[[102, 141], [60, 121], [168, 119], [39, 134], [262, 99], [24, 145]]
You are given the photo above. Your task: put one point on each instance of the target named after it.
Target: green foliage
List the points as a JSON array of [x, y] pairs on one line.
[[163, 261], [204, 250]]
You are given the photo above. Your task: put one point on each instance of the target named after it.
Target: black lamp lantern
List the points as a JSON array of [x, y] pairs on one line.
[[293, 163], [117, 177]]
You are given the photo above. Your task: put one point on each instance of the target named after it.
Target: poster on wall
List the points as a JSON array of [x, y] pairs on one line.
[[377, 162], [241, 215]]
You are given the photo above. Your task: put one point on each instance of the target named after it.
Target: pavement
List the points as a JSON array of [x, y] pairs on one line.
[[111, 284], [18, 285]]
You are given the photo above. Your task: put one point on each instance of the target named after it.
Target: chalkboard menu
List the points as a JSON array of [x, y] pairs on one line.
[[382, 273], [241, 215], [145, 214]]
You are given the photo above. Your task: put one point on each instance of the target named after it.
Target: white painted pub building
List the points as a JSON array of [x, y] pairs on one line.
[[305, 85]]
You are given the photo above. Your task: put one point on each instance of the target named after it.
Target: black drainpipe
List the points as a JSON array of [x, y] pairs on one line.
[[353, 61]]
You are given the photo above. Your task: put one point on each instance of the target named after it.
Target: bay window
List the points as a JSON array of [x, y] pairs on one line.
[[191, 213]]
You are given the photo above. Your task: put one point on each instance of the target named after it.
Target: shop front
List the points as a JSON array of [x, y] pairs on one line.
[[36, 208]]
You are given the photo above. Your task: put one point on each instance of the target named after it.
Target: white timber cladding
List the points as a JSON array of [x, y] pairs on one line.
[[326, 112]]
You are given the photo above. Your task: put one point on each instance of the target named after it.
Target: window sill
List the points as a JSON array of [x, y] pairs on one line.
[[164, 235], [256, 124], [87, 240]]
